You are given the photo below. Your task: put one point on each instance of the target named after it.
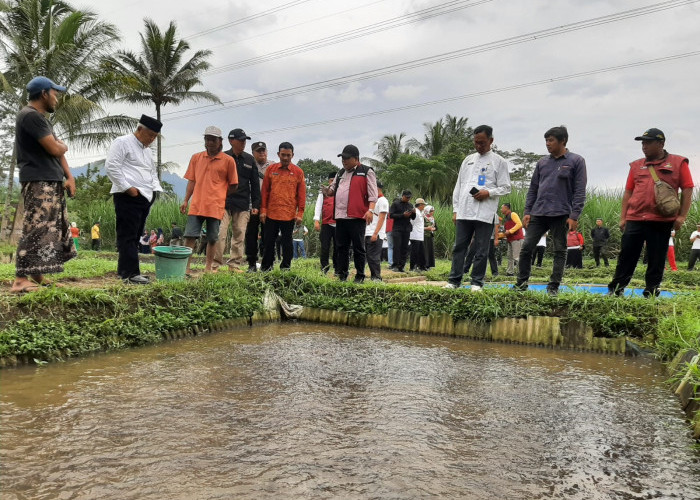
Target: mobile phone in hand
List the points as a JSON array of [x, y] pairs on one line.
[[473, 191]]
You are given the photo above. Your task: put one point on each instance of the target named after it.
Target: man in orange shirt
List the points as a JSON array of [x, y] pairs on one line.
[[209, 175], [283, 202]]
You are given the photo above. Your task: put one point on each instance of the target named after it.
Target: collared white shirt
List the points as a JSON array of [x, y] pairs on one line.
[[417, 227], [382, 206], [130, 164], [496, 181]]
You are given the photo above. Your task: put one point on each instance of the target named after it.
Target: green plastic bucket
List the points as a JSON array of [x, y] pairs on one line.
[[171, 262]]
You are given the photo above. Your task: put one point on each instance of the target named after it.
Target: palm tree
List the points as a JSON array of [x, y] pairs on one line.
[[444, 134], [157, 73], [51, 38], [390, 147]]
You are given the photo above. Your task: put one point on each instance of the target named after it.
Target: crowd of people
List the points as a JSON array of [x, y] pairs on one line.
[[261, 204]]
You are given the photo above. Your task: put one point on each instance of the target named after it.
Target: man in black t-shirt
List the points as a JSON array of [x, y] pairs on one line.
[[46, 242]]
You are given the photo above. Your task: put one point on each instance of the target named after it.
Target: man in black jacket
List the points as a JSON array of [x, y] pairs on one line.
[[402, 212], [240, 203], [600, 236]]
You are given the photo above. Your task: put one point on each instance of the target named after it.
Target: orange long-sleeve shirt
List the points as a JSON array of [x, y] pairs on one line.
[[283, 192]]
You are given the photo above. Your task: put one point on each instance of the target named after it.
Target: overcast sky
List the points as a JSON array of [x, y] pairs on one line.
[[522, 92]]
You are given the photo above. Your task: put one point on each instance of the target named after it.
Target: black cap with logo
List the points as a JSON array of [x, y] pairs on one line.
[[350, 151], [238, 134], [257, 146], [653, 134]]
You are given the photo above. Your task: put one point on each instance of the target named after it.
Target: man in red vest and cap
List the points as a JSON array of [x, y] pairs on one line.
[[355, 191]]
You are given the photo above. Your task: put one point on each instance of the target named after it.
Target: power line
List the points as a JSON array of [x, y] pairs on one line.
[[416, 63], [472, 94], [246, 19], [392, 23], [291, 26]]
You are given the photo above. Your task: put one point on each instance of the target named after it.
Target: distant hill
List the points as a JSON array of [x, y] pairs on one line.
[[179, 184]]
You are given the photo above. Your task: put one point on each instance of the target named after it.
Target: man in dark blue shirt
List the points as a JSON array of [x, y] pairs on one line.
[[554, 203]]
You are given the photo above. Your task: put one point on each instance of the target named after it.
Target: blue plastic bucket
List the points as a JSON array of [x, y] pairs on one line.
[[171, 262]]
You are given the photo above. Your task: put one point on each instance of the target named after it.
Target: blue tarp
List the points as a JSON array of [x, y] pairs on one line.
[[599, 289]]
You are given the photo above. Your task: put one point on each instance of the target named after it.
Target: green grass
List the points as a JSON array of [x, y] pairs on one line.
[[110, 315]]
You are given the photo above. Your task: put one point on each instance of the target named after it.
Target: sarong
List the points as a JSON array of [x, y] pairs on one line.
[[46, 242]]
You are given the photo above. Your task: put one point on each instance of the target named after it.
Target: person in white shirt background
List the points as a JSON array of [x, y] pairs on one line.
[[417, 255], [375, 234], [695, 249], [134, 177]]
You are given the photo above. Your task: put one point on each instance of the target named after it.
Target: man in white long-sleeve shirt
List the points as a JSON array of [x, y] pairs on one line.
[[483, 178], [135, 181]]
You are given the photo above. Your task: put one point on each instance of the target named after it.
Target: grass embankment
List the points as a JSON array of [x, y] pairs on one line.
[[106, 315]]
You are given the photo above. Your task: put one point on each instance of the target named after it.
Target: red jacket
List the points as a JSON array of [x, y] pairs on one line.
[[574, 239], [672, 169]]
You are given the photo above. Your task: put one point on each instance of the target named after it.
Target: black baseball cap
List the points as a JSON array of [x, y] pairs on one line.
[[380, 185], [151, 123], [257, 146], [653, 134], [238, 134], [350, 151]]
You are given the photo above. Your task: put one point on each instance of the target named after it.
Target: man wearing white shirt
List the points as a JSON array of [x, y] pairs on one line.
[[375, 234], [483, 178], [134, 177], [695, 249]]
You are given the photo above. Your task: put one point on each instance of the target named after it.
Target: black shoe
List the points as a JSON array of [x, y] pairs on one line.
[[615, 293], [552, 292], [399, 270], [358, 281], [651, 293], [519, 288], [252, 269], [137, 280]]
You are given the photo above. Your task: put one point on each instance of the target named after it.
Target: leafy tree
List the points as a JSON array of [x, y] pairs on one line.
[[158, 74], [51, 38], [427, 178], [523, 166], [316, 173]]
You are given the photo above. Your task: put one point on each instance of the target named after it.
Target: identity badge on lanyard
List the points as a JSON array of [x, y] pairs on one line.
[[482, 177]]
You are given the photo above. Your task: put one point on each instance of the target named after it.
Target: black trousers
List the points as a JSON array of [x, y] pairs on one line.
[[131, 212], [417, 255], [401, 239], [374, 257], [539, 225], [574, 258], [252, 231], [656, 235], [350, 231], [429, 245], [493, 263], [271, 229], [538, 255], [694, 256], [327, 237], [599, 252]]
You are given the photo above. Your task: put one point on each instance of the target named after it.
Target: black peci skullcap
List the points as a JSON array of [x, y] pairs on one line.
[[151, 123]]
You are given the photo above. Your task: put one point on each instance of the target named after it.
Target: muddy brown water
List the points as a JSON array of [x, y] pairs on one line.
[[312, 411]]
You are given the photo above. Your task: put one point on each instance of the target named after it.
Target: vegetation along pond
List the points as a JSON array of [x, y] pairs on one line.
[[296, 410]]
